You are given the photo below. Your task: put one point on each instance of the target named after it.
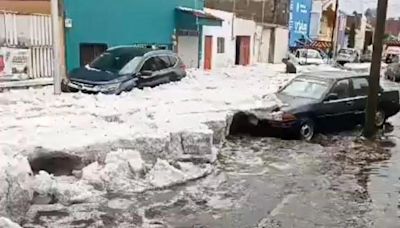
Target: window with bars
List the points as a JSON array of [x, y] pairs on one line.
[[220, 45]]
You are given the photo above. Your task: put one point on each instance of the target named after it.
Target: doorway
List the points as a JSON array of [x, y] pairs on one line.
[[88, 52], [242, 50], [208, 53]]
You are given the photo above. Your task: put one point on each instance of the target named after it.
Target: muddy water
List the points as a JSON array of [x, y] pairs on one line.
[[265, 182], [384, 184]]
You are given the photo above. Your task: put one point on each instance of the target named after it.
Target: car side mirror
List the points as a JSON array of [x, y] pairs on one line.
[[146, 73], [332, 97]]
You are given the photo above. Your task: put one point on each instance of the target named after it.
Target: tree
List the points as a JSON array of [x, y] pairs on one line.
[[352, 36]]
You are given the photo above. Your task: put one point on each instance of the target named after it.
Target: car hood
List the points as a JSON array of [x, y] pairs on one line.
[[345, 56], [93, 75], [287, 103], [310, 61]]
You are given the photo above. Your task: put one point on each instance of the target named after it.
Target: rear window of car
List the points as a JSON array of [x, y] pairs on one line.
[[360, 86]]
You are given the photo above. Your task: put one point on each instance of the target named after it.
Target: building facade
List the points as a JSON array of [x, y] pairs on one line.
[[96, 25], [241, 41], [299, 21]]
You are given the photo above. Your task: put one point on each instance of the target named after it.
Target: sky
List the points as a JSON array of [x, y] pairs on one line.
[[361, 5]]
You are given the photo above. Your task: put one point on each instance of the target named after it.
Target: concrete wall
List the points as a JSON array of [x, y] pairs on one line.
[[281, 44], [253, 9], [360, 34], [225, 31], [123, 23]]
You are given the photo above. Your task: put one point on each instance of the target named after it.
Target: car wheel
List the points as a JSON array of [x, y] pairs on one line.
[[380, 118], [307, 130]]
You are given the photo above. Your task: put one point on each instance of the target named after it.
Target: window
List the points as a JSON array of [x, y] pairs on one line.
[[360, 86], [305, 88], [164, 62], [220, 45], [150, 65], [114, 61], [342, 89], [396, 59], [173, 60]]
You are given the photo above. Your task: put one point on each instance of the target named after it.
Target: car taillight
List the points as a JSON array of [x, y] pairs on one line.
[[2, 64], [183, 66], [287, 117]]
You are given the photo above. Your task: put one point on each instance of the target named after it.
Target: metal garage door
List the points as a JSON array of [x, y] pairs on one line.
[[188, 47]]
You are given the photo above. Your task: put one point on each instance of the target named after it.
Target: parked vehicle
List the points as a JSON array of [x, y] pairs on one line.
[[393, 70], [120, 69], [347, 55], [390, 53], [308, 57], [322, 101]]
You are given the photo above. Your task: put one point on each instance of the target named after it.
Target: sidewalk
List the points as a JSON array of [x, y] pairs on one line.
[[78, 122], [5, 85]]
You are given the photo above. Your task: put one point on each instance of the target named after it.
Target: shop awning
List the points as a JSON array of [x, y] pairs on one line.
[[319, 44], [189, 18]]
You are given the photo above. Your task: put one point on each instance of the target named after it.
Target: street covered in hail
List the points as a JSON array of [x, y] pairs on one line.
[[190, 154]]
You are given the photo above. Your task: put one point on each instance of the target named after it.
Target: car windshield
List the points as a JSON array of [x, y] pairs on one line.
[[305, 88], [311, 54], [346, 51], [116, 62]]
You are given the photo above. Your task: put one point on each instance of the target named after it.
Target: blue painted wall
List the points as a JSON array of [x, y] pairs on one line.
[[120, 22], [299, 21]]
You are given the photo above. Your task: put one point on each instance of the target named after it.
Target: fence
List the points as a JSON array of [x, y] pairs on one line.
[[26, 44]]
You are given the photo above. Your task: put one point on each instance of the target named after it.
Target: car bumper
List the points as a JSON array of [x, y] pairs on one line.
[[285, 128], [74, 87]]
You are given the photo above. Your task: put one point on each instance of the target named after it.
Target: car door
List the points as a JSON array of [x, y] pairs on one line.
[[167, 72], [360, 96], [339, 112], [151, 72]]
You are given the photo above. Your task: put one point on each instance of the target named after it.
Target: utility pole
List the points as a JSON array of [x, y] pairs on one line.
[[55, 15], [375, 73], [332, 48]]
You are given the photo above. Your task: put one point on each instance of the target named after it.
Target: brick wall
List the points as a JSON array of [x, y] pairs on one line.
[[252, 9]]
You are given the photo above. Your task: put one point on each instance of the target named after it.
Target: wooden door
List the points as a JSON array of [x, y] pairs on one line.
[[208, 53], [88, 52], [244, 50]]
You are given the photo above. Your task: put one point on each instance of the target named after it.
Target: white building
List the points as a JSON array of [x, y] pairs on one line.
[[271, 43], [220, 40], [241, 42]]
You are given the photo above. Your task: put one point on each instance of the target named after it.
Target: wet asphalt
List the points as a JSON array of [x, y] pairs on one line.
[[336, 181]]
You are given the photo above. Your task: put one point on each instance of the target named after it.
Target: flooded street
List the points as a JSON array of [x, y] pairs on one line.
[[384, 184], [267, 182], [336, 181]]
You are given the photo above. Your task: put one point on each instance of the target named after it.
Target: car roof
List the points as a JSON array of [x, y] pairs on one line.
[[332, 75], [139, 51]]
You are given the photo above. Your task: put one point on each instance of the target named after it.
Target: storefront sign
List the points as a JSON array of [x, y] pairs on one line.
[[14, 63], [299, 23]]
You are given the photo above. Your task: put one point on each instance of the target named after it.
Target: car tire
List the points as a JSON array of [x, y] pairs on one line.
[[64, 87], [307, 130], [380, 118]]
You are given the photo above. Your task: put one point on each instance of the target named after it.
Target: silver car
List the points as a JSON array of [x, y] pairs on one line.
[[120, 69], [347, 55]]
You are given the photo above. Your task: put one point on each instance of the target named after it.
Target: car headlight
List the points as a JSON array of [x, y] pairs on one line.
[[110, 87], [281, 116]]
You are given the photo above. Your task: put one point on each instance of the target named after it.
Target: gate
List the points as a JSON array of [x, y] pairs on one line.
[[26, 46]]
